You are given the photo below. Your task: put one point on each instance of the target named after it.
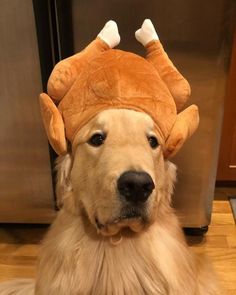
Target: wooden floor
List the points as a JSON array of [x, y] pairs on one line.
[[19, 248], [220, 245]]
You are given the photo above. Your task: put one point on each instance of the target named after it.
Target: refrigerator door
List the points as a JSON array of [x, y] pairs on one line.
[[197, 37], [26, 193]]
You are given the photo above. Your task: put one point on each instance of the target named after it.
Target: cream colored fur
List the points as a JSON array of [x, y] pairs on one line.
[[19, 287], [129, 257]]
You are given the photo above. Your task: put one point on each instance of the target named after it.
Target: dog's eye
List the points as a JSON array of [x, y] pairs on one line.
[[153, 142], [97, 139]]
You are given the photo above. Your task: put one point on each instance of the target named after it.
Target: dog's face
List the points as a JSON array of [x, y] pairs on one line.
[[118, 172]]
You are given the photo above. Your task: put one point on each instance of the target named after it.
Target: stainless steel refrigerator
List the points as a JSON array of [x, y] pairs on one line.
[[197, 36]]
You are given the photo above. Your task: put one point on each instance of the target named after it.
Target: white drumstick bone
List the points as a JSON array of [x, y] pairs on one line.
[[146, 33], [110, 34]]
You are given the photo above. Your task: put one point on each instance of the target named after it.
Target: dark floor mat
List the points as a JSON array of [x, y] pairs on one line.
[[233, 206]]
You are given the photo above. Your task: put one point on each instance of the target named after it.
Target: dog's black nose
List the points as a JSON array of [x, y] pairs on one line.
[[135, 186]]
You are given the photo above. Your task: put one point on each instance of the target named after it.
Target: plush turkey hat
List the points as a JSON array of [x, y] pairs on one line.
[[101, 78]]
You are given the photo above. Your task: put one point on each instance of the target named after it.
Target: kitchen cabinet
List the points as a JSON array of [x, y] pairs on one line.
[[227, 156]]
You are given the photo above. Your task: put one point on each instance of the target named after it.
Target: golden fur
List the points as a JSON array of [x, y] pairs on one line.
[[129, 256]]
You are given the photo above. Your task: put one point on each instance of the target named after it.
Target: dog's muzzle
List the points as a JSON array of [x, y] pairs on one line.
[[135, 187]]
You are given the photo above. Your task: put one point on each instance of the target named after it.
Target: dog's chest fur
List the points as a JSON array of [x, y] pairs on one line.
[[78, 262]]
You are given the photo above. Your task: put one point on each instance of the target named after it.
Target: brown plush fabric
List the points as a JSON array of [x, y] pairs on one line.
[[101, 78], [176, 83], [185, 125], [117, 79], [53, 124], [66, 71]]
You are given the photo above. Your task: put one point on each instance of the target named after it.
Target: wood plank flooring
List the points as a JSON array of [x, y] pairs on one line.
[[19, 247], [219, 245]]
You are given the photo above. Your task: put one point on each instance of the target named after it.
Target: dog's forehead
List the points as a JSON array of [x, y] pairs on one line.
[[123, 117]]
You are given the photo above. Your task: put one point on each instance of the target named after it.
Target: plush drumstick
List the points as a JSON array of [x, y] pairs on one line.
[[67, 70], [176, 83], [62, 78]]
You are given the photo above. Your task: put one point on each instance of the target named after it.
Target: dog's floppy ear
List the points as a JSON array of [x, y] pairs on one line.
[[53, 124], [185, 125], [63, 185]]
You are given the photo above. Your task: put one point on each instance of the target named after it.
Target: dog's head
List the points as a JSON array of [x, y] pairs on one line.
[[118, 174]]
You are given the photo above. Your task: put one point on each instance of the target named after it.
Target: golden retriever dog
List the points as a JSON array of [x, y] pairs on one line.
[[116, 233]]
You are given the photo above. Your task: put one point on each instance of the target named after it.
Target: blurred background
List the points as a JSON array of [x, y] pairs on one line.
[[199, 36]]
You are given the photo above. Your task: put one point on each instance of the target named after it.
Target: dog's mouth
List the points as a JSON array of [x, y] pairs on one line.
[[133, 218]]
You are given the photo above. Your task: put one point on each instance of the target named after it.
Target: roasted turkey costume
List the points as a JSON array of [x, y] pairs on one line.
[[100, 78]]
